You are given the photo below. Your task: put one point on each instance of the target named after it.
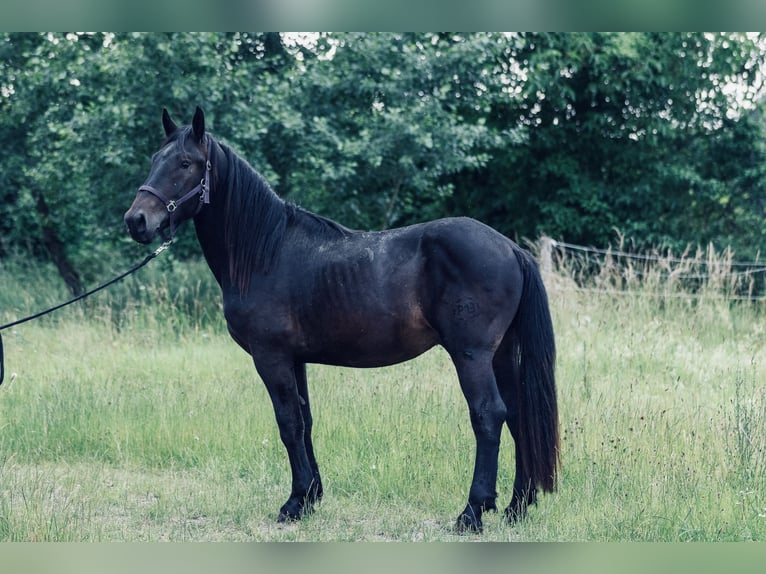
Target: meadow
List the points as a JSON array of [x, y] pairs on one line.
[[134, 417]]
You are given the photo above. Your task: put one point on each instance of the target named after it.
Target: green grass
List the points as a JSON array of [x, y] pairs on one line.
[[127, 420]]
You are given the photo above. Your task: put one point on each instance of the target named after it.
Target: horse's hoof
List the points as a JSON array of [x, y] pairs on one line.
[[290, 513], [469, 524], [517, 509], [287, 518], [514, 515]]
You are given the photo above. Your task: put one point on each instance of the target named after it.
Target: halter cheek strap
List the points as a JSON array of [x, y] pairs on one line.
[[202, 190]]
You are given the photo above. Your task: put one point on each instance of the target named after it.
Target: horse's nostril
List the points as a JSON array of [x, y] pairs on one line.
[[136, 222]]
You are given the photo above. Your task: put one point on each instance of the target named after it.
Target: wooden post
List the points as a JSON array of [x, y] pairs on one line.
[[546, 254]]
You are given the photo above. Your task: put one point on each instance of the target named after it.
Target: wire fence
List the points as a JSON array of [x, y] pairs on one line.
[[702, 273]]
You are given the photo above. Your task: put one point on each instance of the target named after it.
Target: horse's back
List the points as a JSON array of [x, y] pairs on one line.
[[467, 237], [464, 249]]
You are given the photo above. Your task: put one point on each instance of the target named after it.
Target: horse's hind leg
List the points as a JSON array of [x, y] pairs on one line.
[[488, 413], [508, 377]]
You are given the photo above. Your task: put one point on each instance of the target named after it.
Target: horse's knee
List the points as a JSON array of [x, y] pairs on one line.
[[487, 418], [477, 381]]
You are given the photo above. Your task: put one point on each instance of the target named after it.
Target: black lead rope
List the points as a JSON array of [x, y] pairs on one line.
[[133, 269]]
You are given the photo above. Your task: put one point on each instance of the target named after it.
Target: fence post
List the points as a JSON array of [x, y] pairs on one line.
[[546, 254]]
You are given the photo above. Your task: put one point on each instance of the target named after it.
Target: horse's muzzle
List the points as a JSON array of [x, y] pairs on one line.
[[139, 226]]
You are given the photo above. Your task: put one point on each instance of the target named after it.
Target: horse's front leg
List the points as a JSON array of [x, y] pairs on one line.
[[279, 376], [308, 423]]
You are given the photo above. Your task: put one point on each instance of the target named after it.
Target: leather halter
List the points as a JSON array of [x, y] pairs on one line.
[[202, 190]]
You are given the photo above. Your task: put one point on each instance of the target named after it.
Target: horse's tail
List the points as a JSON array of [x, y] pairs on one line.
[[533, 351]]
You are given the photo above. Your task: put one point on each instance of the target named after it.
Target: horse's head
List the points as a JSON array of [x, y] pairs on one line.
[[178, 182]]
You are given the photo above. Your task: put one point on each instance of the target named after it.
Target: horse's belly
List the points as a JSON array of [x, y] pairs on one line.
[[353, 342], [356, 355]]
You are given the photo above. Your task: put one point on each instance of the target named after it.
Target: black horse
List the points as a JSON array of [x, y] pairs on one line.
[[299, 288]]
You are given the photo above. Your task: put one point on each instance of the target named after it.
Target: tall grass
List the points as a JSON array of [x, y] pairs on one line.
[[134, 417], [662, 384]]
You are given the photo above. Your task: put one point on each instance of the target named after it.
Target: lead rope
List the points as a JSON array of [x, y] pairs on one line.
[[133, 269]]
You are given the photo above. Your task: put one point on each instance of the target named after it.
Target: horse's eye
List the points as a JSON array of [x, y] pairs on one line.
[[185, 164]]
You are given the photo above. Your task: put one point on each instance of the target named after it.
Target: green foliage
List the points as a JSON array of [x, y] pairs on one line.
[[570, 134], [378, 128], [632, 132]]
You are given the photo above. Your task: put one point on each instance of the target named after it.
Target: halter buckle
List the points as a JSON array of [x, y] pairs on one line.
[[171, 206]]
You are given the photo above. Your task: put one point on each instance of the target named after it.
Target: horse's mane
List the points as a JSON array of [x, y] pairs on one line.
[[317, 223], [256, 219]]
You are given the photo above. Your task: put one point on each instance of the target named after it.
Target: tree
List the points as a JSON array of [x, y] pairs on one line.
[[574, 135], [79, 116], [619, 133], [376, 129], [33, 76]]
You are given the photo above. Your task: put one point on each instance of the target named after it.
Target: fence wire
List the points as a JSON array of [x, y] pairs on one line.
[[707, 274]]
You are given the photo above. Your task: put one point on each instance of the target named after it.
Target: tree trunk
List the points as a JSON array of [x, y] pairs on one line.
[[55, 248]]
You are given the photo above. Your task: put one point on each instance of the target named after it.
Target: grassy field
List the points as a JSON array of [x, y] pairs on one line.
[[135, 418]]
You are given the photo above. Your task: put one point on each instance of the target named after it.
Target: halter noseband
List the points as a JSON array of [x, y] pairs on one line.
[[202, 189]]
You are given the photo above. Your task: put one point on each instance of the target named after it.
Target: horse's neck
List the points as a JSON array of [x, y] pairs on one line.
[[209, 228], [209, 222]]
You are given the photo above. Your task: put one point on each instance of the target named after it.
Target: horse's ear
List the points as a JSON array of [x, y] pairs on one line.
[[167, 123], [198, 124]]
